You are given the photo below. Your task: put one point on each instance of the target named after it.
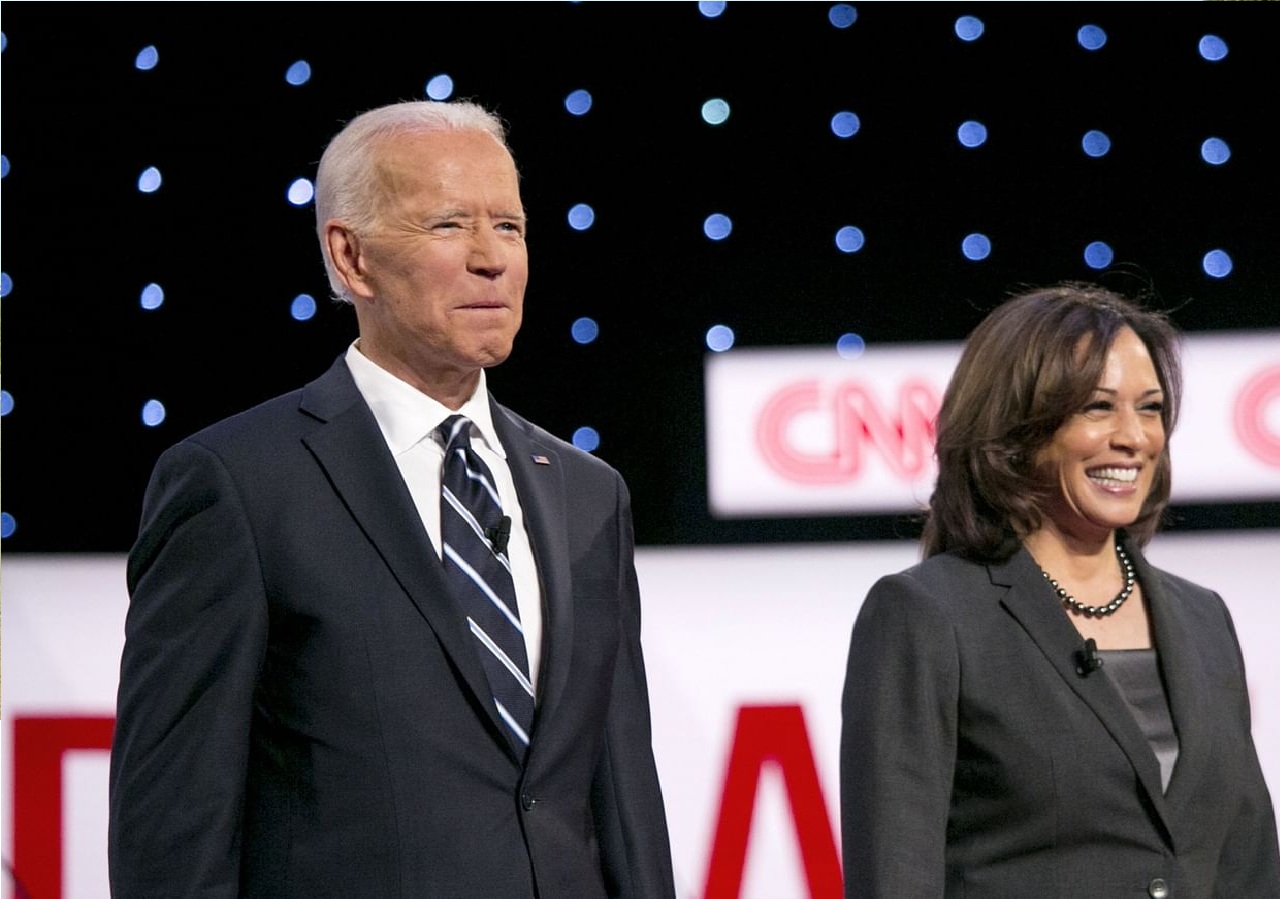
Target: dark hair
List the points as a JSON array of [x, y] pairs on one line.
[[1031, 364]]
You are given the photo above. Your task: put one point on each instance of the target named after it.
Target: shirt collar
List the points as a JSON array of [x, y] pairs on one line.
[[405, 415]]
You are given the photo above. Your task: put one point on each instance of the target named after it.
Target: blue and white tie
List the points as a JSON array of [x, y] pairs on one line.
[[474, 534]]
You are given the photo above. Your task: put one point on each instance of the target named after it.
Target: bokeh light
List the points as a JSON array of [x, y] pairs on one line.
[[719, 338], [584, 330], [578, 102], [850, 239]]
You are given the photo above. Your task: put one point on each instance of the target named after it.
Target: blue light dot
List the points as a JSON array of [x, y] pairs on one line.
[[1217, 264], [581, 217], [299, 73], [6, 402], [1091, 37], [719, 338], [149, 181], [152, 297], [301, 192], [845, 124], [717, 226], [842, 15], [1098, 255], [8, 524], [1215, 151], [1213, 48], [578, 102], [976, 246], [152, 413], [440, 87], [6, 284], [1095, 144], [585, 330], [146, 59], [969, 28], [711, 8], [715, 111], [972, 134], [850, 346], [850, 239], [4, 166], [303, 307], [4, 41], [586, 439]]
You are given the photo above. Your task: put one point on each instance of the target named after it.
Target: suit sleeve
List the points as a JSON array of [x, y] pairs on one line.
[[626, 798], [194, 641], [1250, 860], [898, 744]]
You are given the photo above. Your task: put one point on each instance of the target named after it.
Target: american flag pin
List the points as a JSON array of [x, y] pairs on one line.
[[540, 459]]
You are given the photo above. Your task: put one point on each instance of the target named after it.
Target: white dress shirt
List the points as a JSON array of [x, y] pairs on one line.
[[408, 419]]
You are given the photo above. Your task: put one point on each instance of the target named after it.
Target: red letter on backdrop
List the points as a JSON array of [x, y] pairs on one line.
[[772, 734], [38, 745]]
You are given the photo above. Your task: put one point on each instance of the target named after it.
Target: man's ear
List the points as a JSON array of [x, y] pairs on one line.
[[343, 246]]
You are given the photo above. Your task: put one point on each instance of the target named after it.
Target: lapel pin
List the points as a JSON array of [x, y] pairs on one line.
[[540, 459]]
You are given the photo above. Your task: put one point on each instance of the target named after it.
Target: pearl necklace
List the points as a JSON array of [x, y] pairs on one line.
[[1072, 604]]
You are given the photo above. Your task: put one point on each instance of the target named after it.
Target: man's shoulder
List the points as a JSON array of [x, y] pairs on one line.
[[565, 451], [284, 415], [256, 421]]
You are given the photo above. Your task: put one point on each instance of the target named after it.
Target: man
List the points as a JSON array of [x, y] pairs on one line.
[[310, 702]]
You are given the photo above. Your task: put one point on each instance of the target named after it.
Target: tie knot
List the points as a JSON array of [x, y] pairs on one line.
[[454, 432]]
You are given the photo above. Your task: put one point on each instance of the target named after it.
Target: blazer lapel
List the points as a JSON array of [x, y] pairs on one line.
[[1031, 601], [1185, 681], [538, 474], [350, 448]]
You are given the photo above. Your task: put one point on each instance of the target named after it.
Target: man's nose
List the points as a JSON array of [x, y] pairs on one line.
[[488, 256]]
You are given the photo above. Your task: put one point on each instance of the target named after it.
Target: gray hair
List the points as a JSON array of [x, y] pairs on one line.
[[346, 182]]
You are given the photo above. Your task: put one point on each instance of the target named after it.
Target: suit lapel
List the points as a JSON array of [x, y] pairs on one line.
[[1031, 601], [1184, 681], [540, 486], [350, 448]]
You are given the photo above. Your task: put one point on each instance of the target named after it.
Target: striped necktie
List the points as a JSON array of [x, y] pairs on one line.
[[474, 533]]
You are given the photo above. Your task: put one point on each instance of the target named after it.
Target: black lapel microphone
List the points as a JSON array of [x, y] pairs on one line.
[[500, 536], [1087, 660]]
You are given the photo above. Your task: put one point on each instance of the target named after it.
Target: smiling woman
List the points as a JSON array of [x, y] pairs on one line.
[[1089, 728]]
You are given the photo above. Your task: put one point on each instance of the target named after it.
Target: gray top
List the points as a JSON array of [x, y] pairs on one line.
[[1136, 672]]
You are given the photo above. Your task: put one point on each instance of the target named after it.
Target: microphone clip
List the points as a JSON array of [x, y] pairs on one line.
[[1087, 660], [500, 536]]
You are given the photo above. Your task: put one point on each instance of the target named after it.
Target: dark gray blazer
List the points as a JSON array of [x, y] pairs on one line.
[[301, 710], [976, 762]]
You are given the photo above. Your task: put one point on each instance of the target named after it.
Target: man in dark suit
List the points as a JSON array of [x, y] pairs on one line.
[[305, 708]]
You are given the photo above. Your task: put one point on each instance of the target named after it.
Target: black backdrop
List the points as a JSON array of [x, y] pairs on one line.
[[217, 117]]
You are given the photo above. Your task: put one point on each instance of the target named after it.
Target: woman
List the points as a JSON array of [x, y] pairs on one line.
[[1034, 710]]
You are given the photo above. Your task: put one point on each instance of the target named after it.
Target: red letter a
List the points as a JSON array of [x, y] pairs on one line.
[[772, 734]]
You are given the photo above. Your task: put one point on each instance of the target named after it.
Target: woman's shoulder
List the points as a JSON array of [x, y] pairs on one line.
[[937, 580], [945, 569]]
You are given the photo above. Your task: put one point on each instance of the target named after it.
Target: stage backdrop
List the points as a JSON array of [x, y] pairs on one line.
[[746, 726]]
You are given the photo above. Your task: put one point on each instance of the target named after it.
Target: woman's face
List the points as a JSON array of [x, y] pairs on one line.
[[1100, 464]]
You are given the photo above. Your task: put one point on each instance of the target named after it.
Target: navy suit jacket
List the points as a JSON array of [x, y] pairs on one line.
[[976, 762], [302, 712]]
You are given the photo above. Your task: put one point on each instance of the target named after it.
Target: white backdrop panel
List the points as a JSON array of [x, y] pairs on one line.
[[724, 628]]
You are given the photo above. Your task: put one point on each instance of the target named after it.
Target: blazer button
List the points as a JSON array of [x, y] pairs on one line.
[[1158, 889], [528, 802]]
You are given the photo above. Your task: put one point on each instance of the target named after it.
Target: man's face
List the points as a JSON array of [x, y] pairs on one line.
[[444, 268]]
